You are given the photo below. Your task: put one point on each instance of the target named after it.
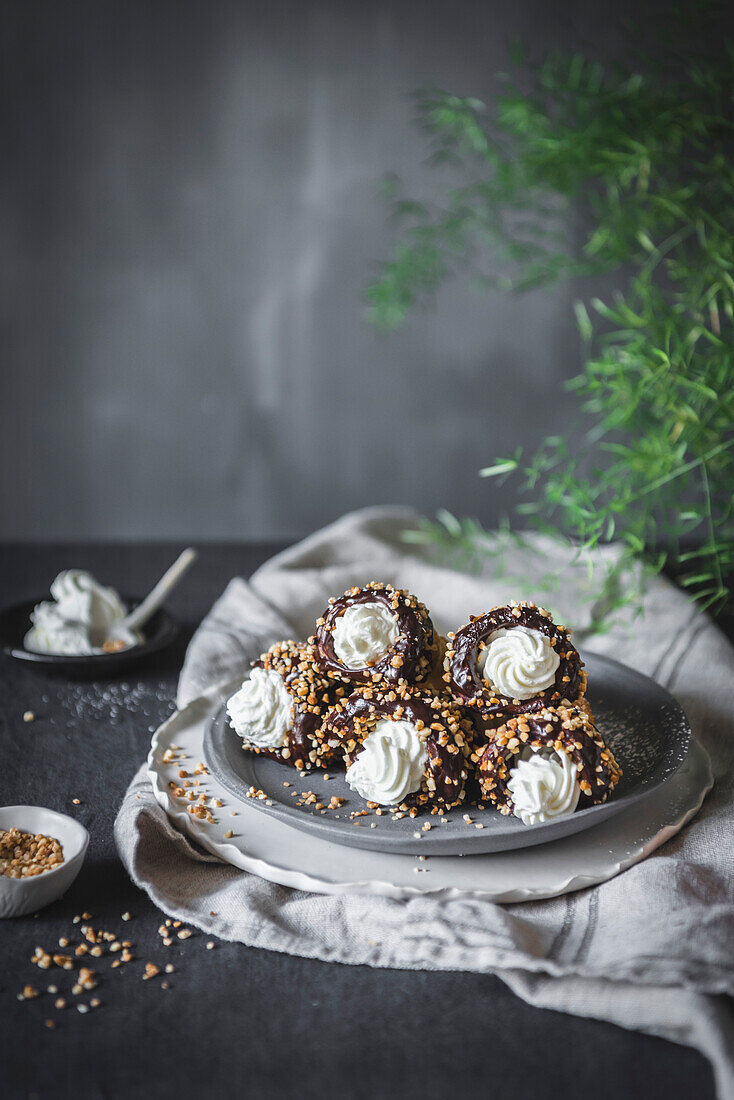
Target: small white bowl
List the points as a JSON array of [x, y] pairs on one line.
[[19, 896]]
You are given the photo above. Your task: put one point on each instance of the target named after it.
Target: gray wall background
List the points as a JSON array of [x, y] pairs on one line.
[[189, 214]]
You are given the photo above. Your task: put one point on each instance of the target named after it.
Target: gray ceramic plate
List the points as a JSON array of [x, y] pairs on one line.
[[643, 725]]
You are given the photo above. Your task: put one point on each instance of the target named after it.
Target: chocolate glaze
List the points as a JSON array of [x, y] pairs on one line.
[[567, 728], [468, 686], [354, 718], [414, 649]]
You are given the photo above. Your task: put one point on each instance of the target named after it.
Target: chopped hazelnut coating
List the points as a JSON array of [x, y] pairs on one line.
[[23, 855]]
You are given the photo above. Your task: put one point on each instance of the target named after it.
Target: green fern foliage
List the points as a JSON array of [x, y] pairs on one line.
[[597, 171]]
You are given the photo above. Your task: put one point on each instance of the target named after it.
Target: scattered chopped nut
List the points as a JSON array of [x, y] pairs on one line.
[[86, 978]]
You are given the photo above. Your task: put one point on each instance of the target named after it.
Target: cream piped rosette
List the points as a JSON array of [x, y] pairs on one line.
[[364, 634], [391, 763], [519, 663], [261, 712], [543, 784]]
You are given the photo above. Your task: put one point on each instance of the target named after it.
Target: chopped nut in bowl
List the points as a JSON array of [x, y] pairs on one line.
[[41, 853]]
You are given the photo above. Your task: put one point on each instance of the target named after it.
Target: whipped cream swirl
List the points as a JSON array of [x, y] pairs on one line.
[[519, 662], [364, 633], [543, 785], [391, 764], [82, 616], [261, 712]]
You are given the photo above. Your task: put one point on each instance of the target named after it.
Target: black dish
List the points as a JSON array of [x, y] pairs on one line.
[[15, 621]]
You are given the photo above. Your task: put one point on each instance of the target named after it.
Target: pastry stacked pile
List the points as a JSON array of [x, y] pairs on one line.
[[494, 714]]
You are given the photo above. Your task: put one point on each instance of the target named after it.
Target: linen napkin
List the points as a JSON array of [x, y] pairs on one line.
[[653, 949]]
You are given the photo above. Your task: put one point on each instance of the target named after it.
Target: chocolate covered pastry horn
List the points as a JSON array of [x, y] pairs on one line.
[[403, 749], [513, 660], [279, 710], [377, 634], [547, 764]]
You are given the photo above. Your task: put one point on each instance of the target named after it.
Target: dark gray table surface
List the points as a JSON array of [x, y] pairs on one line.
[[236, 1021]]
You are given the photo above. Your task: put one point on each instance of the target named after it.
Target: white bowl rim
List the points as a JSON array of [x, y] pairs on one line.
[[81, 841]]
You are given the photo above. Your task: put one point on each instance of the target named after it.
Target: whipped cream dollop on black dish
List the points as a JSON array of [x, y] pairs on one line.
[[377, 634], [513, 660], [279, 711], [82, 619]]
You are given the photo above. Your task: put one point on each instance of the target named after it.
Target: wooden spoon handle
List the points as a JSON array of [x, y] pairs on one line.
[[156, 597]]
